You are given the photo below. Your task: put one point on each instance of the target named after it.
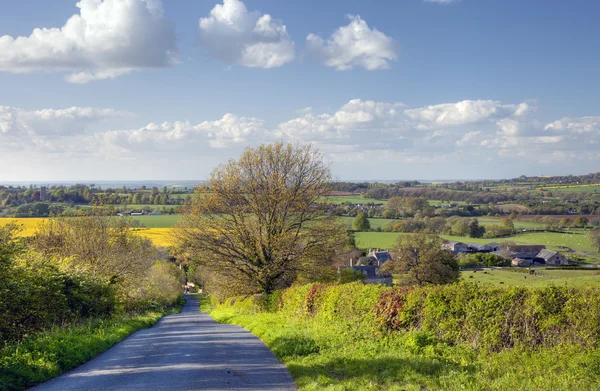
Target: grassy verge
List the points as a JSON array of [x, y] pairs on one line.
[[45, 355], [327, 355]]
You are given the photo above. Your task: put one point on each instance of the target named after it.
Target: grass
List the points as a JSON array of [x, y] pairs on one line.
[[375, 223], [354, 199], [574, 278], [591, 188], [45, 355], [577, 241], [162, 221], [326, 355]]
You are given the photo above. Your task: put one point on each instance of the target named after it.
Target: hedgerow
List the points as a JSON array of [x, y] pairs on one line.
[[486, 318]]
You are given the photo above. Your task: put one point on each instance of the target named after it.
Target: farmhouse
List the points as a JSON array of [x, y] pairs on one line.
[[381, 256]]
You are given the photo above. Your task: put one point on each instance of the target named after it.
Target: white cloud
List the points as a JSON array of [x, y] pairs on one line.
[[46, 129], [108, 38], [583, 125], [465, 112], [235, 35], [354, 45], [186, 137], [357, 121], [494, 134]]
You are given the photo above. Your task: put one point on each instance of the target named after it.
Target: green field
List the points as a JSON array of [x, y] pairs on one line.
[[595, 188], [375, 223], [542, 278], [577, 241], [354, 199], [162, 221]]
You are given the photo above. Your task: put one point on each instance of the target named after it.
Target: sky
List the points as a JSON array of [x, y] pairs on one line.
[[385, 89]]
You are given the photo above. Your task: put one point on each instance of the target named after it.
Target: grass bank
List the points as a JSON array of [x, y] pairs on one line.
[[329, 338], [45, 355]]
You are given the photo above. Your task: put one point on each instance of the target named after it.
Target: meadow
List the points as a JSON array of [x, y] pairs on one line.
[[577, 240], [542, 278], [591, 188]]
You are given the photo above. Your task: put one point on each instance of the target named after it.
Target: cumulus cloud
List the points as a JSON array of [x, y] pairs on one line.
[[354, 45], [227, 131], [357, 121], [44, 129], [494, 132], [583, 125], [465, 112], [235, 35], [108, 38]]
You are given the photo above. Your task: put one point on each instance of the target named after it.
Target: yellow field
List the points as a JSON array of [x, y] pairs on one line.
[[159, 236], [29, 225]]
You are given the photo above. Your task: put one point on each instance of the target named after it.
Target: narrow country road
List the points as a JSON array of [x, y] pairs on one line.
[[186, 351]]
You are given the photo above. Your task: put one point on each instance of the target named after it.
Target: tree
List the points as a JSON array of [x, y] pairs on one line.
[[476, 230], [361, 222], [595, 238], [580, 222], [422, 261], [261, 226]]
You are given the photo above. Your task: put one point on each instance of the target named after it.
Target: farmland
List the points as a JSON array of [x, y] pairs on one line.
[[573, 278], [591, 188], [29, 225]]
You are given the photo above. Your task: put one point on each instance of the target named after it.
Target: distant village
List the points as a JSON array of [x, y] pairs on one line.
[[520, 256]]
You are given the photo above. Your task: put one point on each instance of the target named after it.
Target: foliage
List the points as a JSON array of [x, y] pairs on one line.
[[107, 249], [442, 337], [422, 261], [350, 275], [485, 259], [44, 355], [361, 222], [262, 224]]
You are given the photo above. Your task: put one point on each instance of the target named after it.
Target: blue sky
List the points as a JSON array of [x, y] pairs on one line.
[[136, 89]]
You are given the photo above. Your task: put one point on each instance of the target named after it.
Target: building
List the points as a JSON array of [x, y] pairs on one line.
[[455, 247], [381, 256], [551, 258]]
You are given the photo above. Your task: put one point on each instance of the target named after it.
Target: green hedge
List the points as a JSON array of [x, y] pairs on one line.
[[483, 317]]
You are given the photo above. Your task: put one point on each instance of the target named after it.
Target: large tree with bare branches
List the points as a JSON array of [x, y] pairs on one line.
[[260, 225]]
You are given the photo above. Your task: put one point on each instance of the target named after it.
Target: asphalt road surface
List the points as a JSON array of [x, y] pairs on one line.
[[186, 351]]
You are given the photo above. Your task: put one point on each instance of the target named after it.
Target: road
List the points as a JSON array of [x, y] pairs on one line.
[[186, 351]]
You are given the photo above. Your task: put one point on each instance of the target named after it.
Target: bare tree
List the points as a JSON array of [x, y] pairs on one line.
[[261, 224]]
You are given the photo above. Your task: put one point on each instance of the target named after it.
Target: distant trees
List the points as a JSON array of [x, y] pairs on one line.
[[421, 261], [261, 227], [361, 222]]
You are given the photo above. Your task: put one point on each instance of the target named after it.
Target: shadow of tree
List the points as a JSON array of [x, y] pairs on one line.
[[380, 370]]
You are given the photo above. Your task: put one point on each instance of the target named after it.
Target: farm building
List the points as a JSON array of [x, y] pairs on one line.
[[455, 247], [520, 262], [552, 258]]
